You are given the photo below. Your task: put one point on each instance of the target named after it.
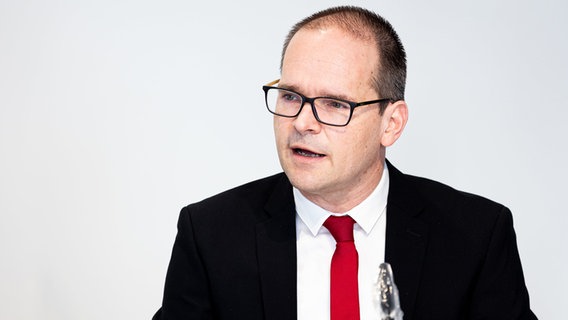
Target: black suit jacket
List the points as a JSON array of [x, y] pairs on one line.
[[454, 255]]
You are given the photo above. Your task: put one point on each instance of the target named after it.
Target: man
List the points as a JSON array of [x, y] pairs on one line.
[[264, 250]]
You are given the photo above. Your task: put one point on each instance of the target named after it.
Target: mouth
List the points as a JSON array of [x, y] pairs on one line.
[[307, 153]]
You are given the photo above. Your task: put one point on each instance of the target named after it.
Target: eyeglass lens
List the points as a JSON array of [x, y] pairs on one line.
[[288, 104]]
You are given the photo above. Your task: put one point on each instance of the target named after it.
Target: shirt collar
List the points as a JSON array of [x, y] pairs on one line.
[[366, 214]]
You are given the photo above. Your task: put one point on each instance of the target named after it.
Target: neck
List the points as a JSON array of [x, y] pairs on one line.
[[345, 200]]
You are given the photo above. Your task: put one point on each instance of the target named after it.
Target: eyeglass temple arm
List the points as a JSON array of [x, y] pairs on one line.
[[271, 83]]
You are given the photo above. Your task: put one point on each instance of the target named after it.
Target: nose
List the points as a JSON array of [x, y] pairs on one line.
[[306, 121]]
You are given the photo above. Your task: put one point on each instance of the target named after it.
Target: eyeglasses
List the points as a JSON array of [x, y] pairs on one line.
[[326, 110]]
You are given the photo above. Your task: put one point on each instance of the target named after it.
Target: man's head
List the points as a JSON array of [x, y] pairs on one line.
[[335, 54]]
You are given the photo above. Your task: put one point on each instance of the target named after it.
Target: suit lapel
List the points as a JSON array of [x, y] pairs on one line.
[[276, 243], [406, 238]]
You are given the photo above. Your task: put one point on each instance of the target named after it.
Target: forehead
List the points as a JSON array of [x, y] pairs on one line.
[[329, 59]]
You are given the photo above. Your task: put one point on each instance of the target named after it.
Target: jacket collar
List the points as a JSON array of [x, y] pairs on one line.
[[406, 237], [276, 244]]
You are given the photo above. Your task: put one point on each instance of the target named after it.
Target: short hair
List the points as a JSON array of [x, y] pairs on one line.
[[390, 77]]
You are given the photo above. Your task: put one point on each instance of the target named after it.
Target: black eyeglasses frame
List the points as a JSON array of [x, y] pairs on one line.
[[305, 99]]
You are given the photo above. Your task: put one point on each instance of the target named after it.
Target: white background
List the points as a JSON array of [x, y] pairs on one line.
[[115, 114]]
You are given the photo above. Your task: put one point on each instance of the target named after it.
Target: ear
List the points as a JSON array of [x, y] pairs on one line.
[[394, 121]]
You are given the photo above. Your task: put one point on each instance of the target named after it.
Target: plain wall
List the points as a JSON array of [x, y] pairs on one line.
[[115, 114]]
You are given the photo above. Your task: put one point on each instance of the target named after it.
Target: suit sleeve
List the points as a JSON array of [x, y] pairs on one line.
[[186, 292], [500, 292]]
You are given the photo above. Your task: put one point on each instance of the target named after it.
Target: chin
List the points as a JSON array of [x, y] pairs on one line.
[[304, 182]]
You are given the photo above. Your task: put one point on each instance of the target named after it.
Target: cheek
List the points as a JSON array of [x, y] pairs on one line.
[[277, 126], [364, 145], [281, 132]]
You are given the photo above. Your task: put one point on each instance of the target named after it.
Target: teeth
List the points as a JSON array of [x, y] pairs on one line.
[[306, 153]]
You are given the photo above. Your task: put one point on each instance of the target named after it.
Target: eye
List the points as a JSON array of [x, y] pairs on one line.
[[335, 104], [289, 96]]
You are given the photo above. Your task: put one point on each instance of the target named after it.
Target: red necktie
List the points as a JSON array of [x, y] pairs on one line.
[[344, 291]]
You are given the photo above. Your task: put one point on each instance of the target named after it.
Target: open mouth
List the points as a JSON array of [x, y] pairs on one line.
[[307, 153]]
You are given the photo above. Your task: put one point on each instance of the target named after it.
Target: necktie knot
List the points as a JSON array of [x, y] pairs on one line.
[[341, 228]]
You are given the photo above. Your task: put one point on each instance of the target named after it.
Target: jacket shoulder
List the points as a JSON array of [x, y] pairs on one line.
[[249, 197], [458, 214], [440, 204], [411, 192], [444, 196]]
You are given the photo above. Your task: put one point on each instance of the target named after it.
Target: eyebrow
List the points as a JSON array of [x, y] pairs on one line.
[[296, 89]]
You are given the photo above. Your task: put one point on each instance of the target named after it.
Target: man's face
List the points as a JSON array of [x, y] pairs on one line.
[[331, 164]]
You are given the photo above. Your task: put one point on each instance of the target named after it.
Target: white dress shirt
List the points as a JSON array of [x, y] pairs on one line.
[[315, 247]]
